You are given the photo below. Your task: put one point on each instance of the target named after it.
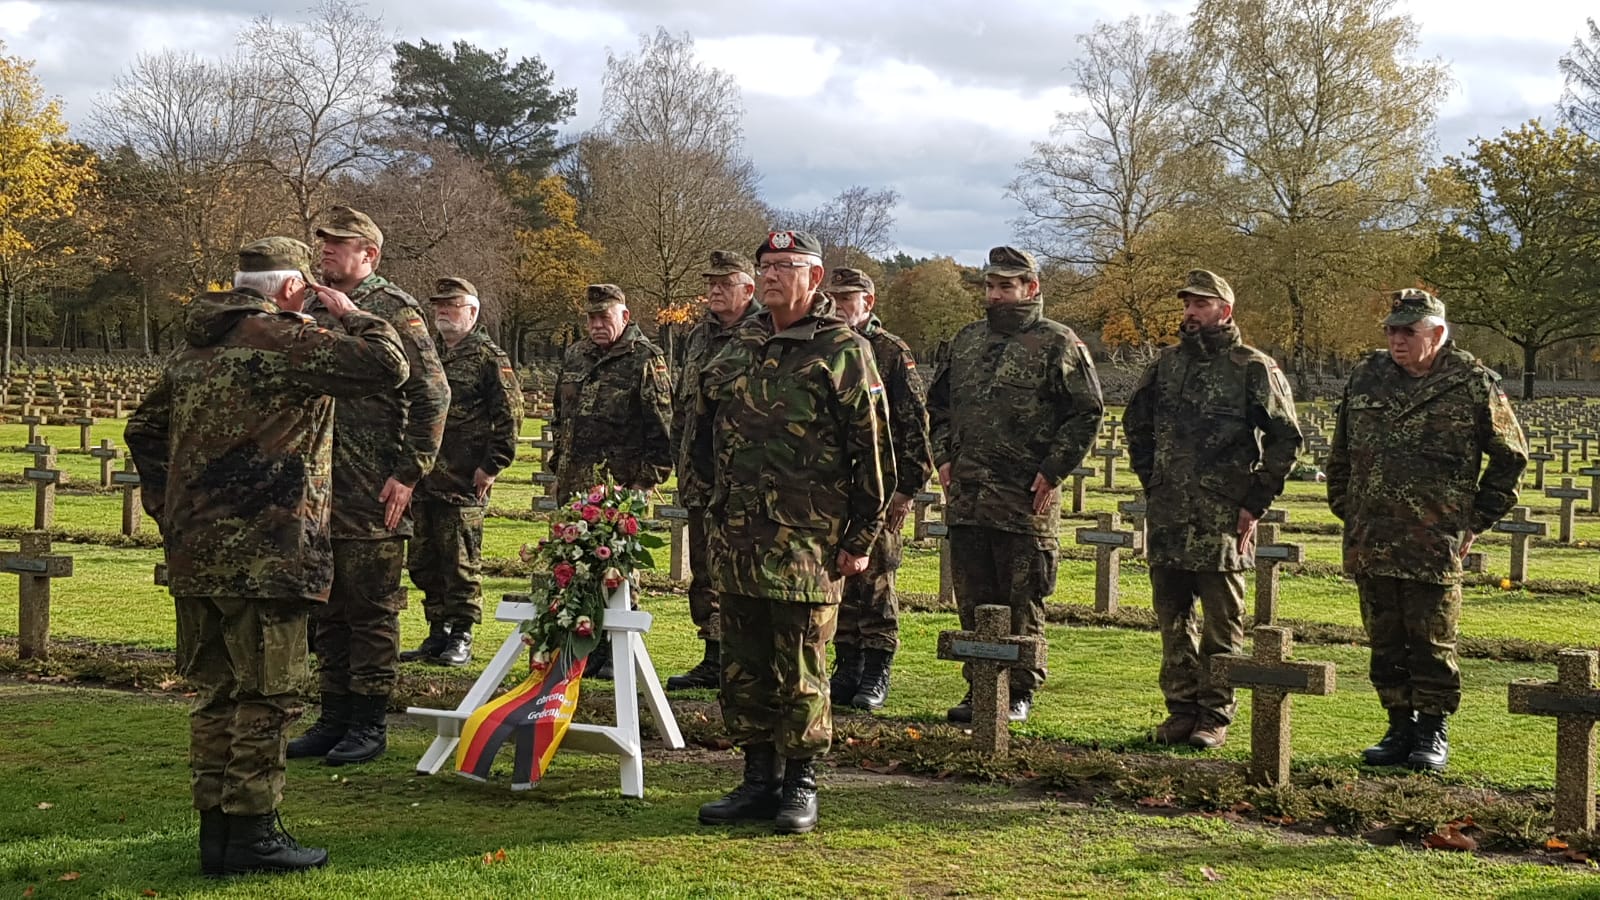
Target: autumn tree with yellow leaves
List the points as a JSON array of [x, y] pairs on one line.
[[555, 263], [42, 176]]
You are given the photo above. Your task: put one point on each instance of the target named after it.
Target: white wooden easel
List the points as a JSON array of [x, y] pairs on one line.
[[632, 669]]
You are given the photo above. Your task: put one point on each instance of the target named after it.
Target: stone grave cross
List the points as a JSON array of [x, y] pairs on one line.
[[1574, 702], [132, 502], [1108, 543], [1521, 529], [990, 650], [1567, 494], [107, 455], [1270, 554], [35, 565], [1271, 678]]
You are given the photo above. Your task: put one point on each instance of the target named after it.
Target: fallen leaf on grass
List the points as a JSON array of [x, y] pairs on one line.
[[717, 743], [1156, 802], [881, 768], [498, 856], [69, 876], [167, 684], [1449, 838], [1279, 820], [47, 805], [1576, 855], [1210, 873], [1243, 806], [28, 891], [147, 892], [1555, 844], [913, 733]]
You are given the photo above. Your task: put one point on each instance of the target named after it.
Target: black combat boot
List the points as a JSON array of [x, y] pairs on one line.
[[874, 688], [1430, 751], [961, 712], [1021, 705], [458, 648], [847, 667], [797, 814], [259, 844], [431, 646], [328, 730], [1394, 748], [756, 798], [599, 665], [213, 841], [707, 673], [368, 736]]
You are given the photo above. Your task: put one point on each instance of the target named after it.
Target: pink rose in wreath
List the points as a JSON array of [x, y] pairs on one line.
[[591, 513], [563, 573], [584, 627], [603, 551], [630, 526]]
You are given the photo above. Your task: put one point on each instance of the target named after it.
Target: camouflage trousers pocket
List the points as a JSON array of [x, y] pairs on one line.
[[281, 658]]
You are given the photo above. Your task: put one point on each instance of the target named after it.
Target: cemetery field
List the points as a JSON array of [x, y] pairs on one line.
[[85, 749]]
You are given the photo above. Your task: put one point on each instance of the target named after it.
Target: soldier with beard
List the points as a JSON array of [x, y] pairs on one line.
[[1212, 435]]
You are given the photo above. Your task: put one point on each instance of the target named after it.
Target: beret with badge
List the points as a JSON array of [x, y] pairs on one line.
[[790, 242]]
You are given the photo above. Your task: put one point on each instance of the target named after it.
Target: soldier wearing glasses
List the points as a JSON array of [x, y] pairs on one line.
[[1406, 474]]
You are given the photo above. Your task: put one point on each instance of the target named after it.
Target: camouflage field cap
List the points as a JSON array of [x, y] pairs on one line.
[[276, 254], [1009, 262], [1412, 305], [790, 242], [727, 262], [452, 288], [600, 297], [845, 280], [344, 222], [1202, 283]]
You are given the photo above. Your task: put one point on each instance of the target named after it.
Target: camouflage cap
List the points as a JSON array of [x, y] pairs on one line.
[[1412, 305], [344, 222], [727, 262], [276, 254], [845, 280], [790, 242], [600, 297], [1009, 262], [1202, 283], [451, 287]]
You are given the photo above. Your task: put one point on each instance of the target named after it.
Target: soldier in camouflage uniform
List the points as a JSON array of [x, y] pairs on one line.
[[790, 430], [480, 441], [869, 621], [1414, 427], [730, 295], [382, 446], [613, 413], [1012, 410], [1212, 435], [234, 448]]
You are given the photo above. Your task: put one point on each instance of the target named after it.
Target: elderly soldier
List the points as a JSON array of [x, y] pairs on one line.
[[790, 431], [730, 291], [613, 412], [1212, 436], [869, 625], [382, 446], [1413, 429], [480, 440], [1012, 410], [234, 447]]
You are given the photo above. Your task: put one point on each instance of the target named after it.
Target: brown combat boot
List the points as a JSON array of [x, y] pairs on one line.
[[1177, 728], [1210, 733]]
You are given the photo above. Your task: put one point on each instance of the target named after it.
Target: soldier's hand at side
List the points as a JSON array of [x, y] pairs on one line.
[[944, 477], [1466, 543], [850, 564], [335, 302], [1246, 532], [481, 482], [899, 506], [1044, 496], [396, 497]]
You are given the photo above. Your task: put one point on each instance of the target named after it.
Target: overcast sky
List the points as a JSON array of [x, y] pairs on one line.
[[937, 99]]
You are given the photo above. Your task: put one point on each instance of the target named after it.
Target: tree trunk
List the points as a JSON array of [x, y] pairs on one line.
[[144, 316], [10, 302], [1530, 357], [1297, 341]]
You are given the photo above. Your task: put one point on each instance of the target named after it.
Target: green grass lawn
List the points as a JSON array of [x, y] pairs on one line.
[[393, 834]]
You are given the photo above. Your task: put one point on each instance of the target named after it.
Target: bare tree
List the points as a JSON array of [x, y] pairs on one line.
[[441, 214], [857, 223], [662, 182], [1580, 100], [323, 86], [1097, 195], [178, 197]]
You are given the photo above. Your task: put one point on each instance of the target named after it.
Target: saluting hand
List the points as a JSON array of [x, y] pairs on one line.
[[336, 302]]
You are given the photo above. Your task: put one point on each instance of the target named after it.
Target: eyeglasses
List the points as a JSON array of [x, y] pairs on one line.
[[723, 284], [1409, 331], [766, 267]]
